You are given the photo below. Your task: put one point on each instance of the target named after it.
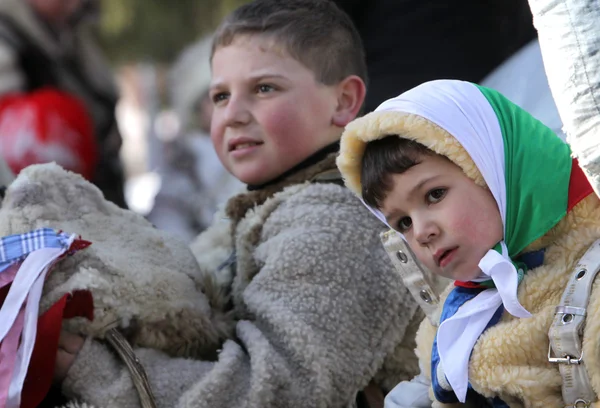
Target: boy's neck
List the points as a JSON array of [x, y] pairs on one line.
[[311, 160]]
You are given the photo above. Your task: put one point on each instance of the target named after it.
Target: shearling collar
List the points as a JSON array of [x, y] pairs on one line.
[[238, 205]]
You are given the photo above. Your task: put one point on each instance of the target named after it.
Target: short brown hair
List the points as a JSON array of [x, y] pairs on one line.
[[314, 32], [384, 157]]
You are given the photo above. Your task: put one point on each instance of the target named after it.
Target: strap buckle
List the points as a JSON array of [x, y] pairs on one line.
[[568, 360], [580, 403]]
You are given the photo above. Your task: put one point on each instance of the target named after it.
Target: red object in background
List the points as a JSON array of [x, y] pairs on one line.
[[44, 126]]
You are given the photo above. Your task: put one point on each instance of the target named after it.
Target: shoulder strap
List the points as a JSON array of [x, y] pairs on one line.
[[424, 286], [565, 348]]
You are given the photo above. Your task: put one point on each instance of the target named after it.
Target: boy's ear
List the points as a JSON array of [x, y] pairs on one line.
[[351, 95]]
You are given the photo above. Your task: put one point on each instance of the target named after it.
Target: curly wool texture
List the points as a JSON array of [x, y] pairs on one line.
[[142, 280], [377, 125], [321, 311]]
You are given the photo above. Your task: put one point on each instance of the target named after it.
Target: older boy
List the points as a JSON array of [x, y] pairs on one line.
[[320, 312]]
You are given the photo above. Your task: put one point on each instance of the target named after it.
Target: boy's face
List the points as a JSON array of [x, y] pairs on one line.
[[449, 222], [270, 113]]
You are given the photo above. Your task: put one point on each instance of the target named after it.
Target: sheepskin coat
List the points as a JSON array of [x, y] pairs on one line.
[[318, 310]]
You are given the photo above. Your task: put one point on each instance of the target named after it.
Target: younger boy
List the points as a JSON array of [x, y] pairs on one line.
[[488, 196], [320, 311]]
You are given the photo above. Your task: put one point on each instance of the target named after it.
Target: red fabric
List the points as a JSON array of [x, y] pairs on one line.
[[78, 245], [470, 285], [3, 294], [41, 369], [44, 126], [579, 186]]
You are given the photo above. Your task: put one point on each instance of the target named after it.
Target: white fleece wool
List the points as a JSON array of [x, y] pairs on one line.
[[142, 280], [321, 311]]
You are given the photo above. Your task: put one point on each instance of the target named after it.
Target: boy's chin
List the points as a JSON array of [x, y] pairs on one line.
[[466, 276], [252, 174], [252, 178], [459, 275]]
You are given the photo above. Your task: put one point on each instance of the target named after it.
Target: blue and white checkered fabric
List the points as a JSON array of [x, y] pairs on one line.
[[15, 248]]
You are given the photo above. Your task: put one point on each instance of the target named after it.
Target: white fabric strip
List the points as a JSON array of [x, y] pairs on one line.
[[27, 339], [463, 111], [471, 319]]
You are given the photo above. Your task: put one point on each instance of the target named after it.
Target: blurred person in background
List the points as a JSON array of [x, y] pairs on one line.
[[6, 176], [409, 42], [194, 183], [57, 95]]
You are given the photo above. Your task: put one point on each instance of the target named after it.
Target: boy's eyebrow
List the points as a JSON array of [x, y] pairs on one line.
[[215, 84], [266, 75], [421, 183], [254, 78]]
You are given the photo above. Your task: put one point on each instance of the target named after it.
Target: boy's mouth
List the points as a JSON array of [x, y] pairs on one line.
[[444, 256], [241, 143], [244, 146]]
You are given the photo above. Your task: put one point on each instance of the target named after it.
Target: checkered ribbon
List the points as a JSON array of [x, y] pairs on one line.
[[14, 248], [24, 263]]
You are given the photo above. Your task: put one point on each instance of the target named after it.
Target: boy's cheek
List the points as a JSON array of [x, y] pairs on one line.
[[425, 258]]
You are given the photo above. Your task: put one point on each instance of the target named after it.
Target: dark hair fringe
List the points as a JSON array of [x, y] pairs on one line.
[[382, 158]]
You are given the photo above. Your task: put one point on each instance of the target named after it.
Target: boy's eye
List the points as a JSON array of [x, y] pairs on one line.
[[436, 195], [404, 224], [219, 97], [264, 88]]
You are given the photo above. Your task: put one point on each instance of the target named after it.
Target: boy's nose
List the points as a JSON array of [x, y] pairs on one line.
[[425, 231], [237, 113]]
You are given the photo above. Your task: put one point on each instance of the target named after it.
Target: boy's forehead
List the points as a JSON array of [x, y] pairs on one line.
[[275, 52], [264, 43]]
